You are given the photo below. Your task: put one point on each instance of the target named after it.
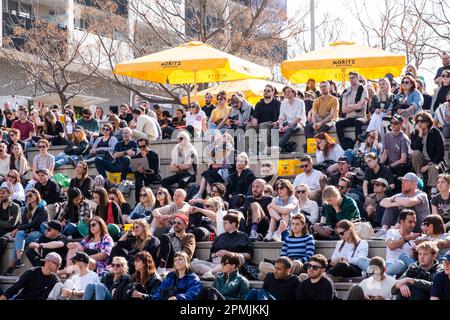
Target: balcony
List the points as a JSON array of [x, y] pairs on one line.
[[122, 5], [12, 21]]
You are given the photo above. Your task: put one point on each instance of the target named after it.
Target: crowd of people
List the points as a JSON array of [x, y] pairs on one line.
[[87, 242]]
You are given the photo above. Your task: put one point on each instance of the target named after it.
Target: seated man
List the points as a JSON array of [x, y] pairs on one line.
[[162, 217], [89, 124], [427, 158], [372, 206], [440, 290], [324, 112], [51, 241], [10, 217], [145, 177], [311, 177], [255, 209], [232, 241], [374, 171], [346, 188], [50, 191], [292, 116], [123, 151], [36, 283], [376, 287], [146, 127], [344, 171], [410, 198], [416, 282], [317, 286], [279, 284]]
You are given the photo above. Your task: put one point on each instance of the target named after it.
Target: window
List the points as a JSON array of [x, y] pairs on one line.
[[20, 9]]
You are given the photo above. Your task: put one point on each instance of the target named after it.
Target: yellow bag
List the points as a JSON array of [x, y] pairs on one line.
[[311, 145], [289, 167], [114, 177]]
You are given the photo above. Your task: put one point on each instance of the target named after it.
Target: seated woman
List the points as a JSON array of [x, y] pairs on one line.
[[306, 206], [220, 114], [75, 149], [136, 240], [240, 182], [179, 120], [347, 252], [299, 246], [14, 186], [220, 155], [180, 284], [29, 230], [69, 121], [145, 280], [97, 244], [103, 145], [371, 144], [113, 285], [335, 209], [434, 231], [228, 284], [81, 180], [146, 177], [196, 120], [183, 165], [117, 196], [144, 208], [118, 125], [327, 154], [217, 190], [440, 202], [163, 198], [209, 218], [108, 210], [75, 214], [380, 107], [280, 209], [53, 130], [19, 162]]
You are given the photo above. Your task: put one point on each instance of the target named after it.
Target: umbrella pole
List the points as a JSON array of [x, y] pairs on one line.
[[343, 78], [195, 84]]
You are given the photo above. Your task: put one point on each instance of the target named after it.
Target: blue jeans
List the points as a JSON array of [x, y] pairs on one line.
[[259, 294], [121, 165], [96, 291], [22, 239], [213, 126], [63, 159], [392, 269]]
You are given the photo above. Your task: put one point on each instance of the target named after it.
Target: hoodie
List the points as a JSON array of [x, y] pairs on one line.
[[186, 288], [423, 278]]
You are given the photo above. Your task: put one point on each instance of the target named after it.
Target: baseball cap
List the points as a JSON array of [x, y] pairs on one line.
[[5, 188], [182, 217], [344, 159], [397, 118], [43, 170], [410, 176], [78, 128], [53, 257], [55, 224], [81, 257], [446, 257], [380, 180]]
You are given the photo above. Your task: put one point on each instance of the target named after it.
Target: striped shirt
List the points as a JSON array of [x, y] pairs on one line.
[[298, 248]]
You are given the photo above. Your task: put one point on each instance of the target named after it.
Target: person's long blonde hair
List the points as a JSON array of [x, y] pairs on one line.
[[139, 243]]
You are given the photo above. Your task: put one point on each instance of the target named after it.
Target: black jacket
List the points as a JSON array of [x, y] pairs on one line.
[[122, 286], [435, 144], [150, 287], [153, 161], [78, 149], [51, 192], [241, 184], [34, 224], [423, 278]]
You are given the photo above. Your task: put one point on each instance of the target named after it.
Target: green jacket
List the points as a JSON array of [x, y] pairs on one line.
[[15, 218], [233, 287], [349, 211]]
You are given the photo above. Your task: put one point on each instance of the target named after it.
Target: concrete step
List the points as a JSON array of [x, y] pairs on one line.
[[7, 281]]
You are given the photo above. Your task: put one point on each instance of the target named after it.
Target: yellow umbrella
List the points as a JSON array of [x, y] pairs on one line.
[[251, 88], [336, 60], [192, 62]]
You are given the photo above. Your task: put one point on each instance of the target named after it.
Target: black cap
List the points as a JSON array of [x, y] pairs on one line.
[[81, 257], [397, 118], [344, 159], [43, 170], [55, 224]]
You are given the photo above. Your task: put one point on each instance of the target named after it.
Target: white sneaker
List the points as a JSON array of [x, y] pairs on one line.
[[253, 235], [268, 236], [276, 236], [381, 235], [208, 276]]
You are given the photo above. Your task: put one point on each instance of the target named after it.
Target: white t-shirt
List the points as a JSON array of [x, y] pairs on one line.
[[196, 120], [378, 288], [348, 251], [290, 111], [393, 255], [312, 181], [80, 282]]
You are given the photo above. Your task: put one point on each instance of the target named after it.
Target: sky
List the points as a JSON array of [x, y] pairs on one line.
[[337, 8]]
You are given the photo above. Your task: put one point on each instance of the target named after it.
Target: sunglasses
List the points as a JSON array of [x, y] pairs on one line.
[[342, 187], [266, 90], [300, 191], [313, 267], [280, 188], [116, 265], [406, 82], [136, 227], [92, 225], [86, 117], [106, 129], [178, 223], [10, 176], [143, 195], [426, 224], [221, 99], [445, 76], [303, 166], [42, 147], [30, 195], [180, 139], [160, 193], [341, 233], [48, 229], [422, 120], [143, 146], [448, 100]]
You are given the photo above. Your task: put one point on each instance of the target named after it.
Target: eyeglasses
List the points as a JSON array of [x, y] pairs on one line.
[[426, 224], [406, 82], [341, 233], [42, 147], [92, 225], [116, 265], [300, 191]]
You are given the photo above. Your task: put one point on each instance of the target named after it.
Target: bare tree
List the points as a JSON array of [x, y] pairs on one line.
[[436, 15], [51, 60]]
